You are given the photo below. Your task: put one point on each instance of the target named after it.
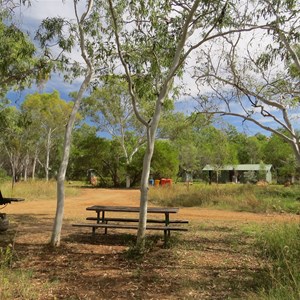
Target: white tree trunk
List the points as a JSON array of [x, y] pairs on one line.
[[128, 181], [144, 193], [26, 164], [152, 124], [58, 221], [48, 146], [34, 164]]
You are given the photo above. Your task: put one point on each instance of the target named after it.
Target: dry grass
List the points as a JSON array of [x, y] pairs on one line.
[[31, 190], [249, 198]]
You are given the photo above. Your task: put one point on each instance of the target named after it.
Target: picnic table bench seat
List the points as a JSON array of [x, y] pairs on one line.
[[165, 229], [125, 226]]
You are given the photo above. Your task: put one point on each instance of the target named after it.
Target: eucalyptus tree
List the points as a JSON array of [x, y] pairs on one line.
[[256, 76], [185, 133], [155, 41], [13, 140], [48, 114], [109, 107], [84, 33]]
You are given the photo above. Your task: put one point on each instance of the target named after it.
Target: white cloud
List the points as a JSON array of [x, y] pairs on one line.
[[42, 9]]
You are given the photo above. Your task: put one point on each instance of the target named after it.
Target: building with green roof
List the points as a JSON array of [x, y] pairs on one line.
[[239, 173]]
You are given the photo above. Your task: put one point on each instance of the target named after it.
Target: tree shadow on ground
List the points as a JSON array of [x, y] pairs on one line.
[[203, 263]]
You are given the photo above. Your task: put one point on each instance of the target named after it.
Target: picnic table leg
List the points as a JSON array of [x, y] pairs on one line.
[[167, 222], [103, 221], [165, 238], [98, 218], [166, 232]]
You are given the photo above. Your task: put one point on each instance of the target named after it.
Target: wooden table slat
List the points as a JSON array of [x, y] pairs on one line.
[[133, 209]]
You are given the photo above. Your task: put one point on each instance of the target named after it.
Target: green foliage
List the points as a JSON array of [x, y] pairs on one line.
[[47, 110], [184, 132], [13, 139], [87, 152], [281, 12], [3, 175], [67, 34], [134, 169], [111, 101], [248, 149], [111, 111], [214, 147], [18, 64], [165, 161], [280, 154], [16, 284], [134, 253], [46, 116], [6, 256], [250, 177], [294, 70]]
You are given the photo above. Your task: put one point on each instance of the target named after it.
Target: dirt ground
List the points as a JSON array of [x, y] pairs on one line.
[[212, 260]]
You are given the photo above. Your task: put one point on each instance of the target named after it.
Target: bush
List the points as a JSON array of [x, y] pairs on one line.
[[3, 175]]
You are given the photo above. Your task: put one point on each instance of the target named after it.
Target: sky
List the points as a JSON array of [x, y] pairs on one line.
[[29, 19]]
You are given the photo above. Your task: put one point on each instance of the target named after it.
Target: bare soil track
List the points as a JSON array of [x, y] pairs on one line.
[[213, 260]]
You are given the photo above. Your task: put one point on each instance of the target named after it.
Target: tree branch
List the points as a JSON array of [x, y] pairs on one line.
[[127, 71]]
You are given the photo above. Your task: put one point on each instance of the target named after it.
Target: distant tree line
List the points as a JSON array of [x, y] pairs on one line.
[[32, 141]]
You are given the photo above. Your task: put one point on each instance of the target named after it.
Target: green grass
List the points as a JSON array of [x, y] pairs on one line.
[[31, 190], [238, 197], [15, 283], [280, 245]]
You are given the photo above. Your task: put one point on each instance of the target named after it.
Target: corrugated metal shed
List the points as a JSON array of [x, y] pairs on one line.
[[244, 167]]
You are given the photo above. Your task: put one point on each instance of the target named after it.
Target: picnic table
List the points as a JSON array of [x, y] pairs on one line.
[[4, 201], [4, 223], [121, 220]]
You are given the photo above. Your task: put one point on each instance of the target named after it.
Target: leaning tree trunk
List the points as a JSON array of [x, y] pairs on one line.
[[144, 193], [56, 233], [152, 124], [151, 133]]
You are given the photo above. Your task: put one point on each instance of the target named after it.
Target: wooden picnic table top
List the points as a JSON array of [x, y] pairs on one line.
[[14, 199], [5, 200], [133, 209]]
